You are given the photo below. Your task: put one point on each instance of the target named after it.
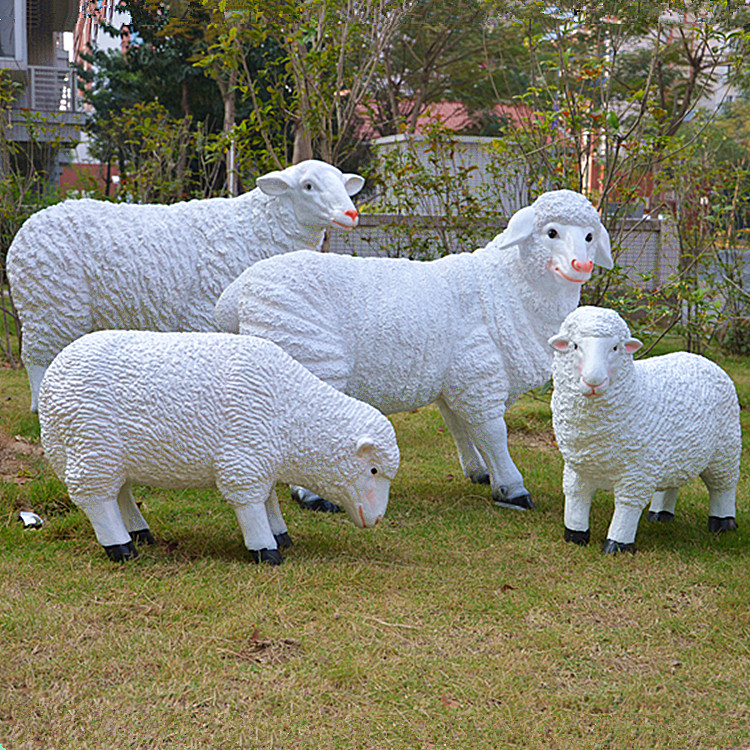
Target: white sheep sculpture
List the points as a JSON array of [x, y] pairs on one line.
[[182, 410], [642, 429], [85, 265], [467, 332]]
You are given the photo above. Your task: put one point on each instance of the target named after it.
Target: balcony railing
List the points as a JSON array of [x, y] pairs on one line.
[[50, 89]]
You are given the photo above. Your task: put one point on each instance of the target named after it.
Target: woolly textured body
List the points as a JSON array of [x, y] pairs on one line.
[[659, 427], [467, 331], [197, 410], [642, 429], [87, 265], [129, 266], [399, 334]]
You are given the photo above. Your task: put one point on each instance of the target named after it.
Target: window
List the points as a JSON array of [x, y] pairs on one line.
[[7, 28]]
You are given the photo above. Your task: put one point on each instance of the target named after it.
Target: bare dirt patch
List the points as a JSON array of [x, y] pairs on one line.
[[539, 440], [15, 453]]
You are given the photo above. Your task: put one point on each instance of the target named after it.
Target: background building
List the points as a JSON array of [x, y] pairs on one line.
[[45, 110]]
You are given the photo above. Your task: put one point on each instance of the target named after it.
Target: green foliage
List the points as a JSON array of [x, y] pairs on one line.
[[428, 184], [610, 109], [167, 65], [165, 38], [457, 52], [329, 51], [26, 186], [163, 159]]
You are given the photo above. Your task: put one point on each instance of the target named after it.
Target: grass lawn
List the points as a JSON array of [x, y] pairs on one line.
[[455, 624]]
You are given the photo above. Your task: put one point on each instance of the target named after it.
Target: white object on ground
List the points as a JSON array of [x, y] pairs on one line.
[[642, 429], [85, 265], [181, 410], [467, 332], [30, 519]]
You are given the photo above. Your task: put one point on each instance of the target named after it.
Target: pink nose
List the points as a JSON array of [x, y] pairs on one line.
[[582, 267], [352, 213]]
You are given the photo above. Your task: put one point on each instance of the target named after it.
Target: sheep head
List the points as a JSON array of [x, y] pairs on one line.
[[319, 193], [364, 477], [570, 237], [594, 344]]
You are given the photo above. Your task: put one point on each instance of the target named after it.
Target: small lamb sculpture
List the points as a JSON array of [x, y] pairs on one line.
[[642, 429], [85, 265], [467, 332], [202, 410]]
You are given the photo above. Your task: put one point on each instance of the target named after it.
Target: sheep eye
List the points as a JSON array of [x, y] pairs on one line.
[[614, 348], [373, 471], [575, 346], [589, 237], [308, 186], [552, 233]]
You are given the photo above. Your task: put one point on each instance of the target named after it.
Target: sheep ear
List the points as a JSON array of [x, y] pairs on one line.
[[632, 346], [559, 343], [353, 183], [365, 446], [273, 183], [603, 250], [520, 226]]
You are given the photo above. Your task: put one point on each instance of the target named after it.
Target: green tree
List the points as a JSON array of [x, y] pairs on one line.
[[331, 50], [159, 66], [464, 52], [26, 186], [613, 88]]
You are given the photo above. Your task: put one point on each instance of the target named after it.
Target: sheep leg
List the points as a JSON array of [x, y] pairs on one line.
[[578, 497], [308, 500], [663, 505], [135, 523], [251, 510], [35, 374], [471, 462], [721, 504], [722, 492], [624, 525], [491, 440], [109, 528], [276, 520]]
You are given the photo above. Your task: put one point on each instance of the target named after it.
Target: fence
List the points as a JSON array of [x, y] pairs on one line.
[[645, 246]]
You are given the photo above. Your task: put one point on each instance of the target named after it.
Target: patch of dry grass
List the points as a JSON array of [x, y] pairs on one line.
[[455, 624]]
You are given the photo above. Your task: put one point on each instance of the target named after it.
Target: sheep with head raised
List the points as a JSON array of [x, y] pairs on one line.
[[206, 410], [642, 429], [467, 332], [85, 265]]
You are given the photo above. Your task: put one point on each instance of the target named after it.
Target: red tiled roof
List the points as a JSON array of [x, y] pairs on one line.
[[453, 115]]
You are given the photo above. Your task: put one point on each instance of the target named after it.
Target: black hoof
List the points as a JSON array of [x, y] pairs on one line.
[[310, 501], [611, 547], [719, 525], [577, 537], [143, 536], [660, 516], [267, 556], [520, 502], [121, 552], [480, 477], [283, 540]]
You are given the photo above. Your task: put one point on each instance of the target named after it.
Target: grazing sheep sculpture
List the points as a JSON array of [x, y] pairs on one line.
[[202, 410], [86, 265], [467, 332], [642, 429]]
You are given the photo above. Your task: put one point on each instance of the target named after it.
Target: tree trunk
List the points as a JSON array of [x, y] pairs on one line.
[[302, 143], [229, 94]]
